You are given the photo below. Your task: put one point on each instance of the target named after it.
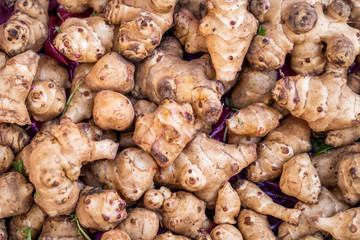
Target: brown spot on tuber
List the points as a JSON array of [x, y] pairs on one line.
[[285, 150], [247, 221], [199, 208], [302, 18], [319, 109], [353, 228]]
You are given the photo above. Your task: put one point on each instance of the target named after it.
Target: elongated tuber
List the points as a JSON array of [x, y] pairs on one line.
[[226, 210], [170, 236], [115, 234], [254, 198], [204, 165], [61, 227], [254, 226], [78, 6], [6, 158], [343, 137], [241, 139], [225, 231]]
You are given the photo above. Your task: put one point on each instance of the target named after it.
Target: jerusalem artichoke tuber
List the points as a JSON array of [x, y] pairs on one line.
[[343, 137], [197, 7], [170, 236], [3, 230], [78, 6], [225, 231], [61, 227], [227, 205], [115, 234], [6, 158]]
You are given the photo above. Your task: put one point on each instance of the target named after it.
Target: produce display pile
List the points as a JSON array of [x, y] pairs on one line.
[[180, 119]]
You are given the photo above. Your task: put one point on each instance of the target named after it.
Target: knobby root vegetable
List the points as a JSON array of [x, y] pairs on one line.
[[115, 234], [26, 29], [316, 236], [61, 227], [144, 106], [225, 231], [3, 230], [33, 219], [164, 75], [197, 7], [165, 132], [255, 120], [240, 139], [300, 179], [142, 24], [111, 72], [204, 165], [254, 226], [6, 158], [94, 133], [131, 174], [78, 6], [170, 236], [15, 80], [84, 40], [228, 29], [3, 59], [18, 197], [328, 205], [112, 110], [227, 205], [100, 209], [141, 223], [343, 137], [254, 198], [289, 139], [342, 225], [46, 100], [56, 185], [353, 81], [254, 86], [203, 235], [329, 104]]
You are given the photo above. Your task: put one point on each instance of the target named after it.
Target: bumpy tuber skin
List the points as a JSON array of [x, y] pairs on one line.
[[203, 235], [254, 198], [34, 219], [197, 7], [204, 165], [112, 110], [131, 174], [300, 179], [255, 120], [3, 59], [144, 106], [57, 184], [328, 205], [49, 69], [316, 100], [141, 223], [316, 236], [225, 37], [26, 29], [18, 197], [225, 231], [100, 209], [165, 132], [46, 100], [164, 75], [6, 158], [16, 78], [290, 138], [342, 225], [81, 105], [348, 177], [94, 133], [241, 139], [79, 6], [111, 72], [84, 40], [142, 24], [254, 86], [60, 227], [3, 231], [343, 137], [126, 139], [254, 226], [227, 205], [170, 236], [115, 234], [353, 81]]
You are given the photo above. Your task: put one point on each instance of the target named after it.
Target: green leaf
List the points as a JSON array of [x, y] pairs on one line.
[[26, 231], [225, 134], [37, 195], [254, 84], [261, 31], [241, 123], [320, 147], [70, 97], [109, 187], [93, 13], [81, 231], [18, 165], [57, 29], [227, 103]]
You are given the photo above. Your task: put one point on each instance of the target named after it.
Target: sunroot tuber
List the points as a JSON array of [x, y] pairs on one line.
[[254, 226], [316, 236], [170, 236], [227, 205], [254, 198], [197, 7], [343, 137], [240, 139], [61, 227], [78, 6], [3, 230], [225, 231], [6, 158], [115, 234]]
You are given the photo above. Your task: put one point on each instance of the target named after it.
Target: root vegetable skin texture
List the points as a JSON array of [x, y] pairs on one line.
[[225, 37], [18, 197], [112, 110], [56, 185], [100, 209], [254, 226], [164, 75], [59, 228], [115, 234], [111, 72], [84, 40], [6, 158], [80, 6], [227, 205], [225, 231], [3, 231], [140, 224], [197, 7], [3, 59], [142, 24], [165, 132], [26, 29], [170, 236], [300, 179], [328, 205], [342, 225], [255, 120], [241, 139], [144, 106], [131, 174], [34, 219], [290, 138], [204, 165], [16, 78], [324, 106], [254, 198], [343, 137], [317, 236]]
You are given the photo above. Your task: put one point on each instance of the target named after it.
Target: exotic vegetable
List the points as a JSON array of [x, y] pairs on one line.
[[225, 231], [227, 205], [254, 226], [343, 137]]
